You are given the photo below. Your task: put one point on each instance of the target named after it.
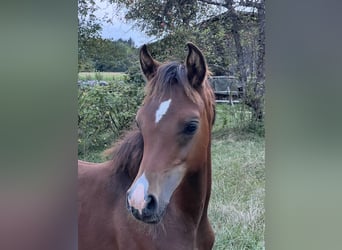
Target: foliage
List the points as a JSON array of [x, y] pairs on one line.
[[159, 17], [88, 28], [256, 100], [203, 22], [134, 73], [107, 55], [238, 119], [231, 34], [94, 53], [217, 46], [113, 56], [105, 112]]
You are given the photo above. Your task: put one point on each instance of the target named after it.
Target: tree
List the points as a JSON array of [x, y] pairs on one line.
[[88, 28], [114, 56], [95, 53], [106, 55], [184, 19]]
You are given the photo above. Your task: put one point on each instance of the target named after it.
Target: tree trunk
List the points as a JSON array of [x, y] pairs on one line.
[[254, 93], [259, 86], [235, 29]]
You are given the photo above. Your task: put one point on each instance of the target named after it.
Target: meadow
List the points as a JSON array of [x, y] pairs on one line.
[[236, 208], [105, 76]]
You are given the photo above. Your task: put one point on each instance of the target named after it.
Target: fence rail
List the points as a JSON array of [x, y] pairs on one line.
[[227, 89]]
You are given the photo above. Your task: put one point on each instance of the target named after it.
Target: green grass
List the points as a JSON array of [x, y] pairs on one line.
[[236, 208], [105, 76], [234, 117]]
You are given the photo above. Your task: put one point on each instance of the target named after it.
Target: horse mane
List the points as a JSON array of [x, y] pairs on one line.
[[127, 153]]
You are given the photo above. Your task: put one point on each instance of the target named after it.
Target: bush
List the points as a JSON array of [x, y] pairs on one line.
[[105, 112], [238, 119], [134, 75]]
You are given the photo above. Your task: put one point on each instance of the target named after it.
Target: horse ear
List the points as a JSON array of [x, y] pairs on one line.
[[148, 64], [196, 66]]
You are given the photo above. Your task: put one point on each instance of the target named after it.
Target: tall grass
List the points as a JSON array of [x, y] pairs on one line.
[[236, 208]]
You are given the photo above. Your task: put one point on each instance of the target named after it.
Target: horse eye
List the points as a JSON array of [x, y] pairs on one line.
[[190, 128]]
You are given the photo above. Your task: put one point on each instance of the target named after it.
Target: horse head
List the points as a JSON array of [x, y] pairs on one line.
[[175, 121]]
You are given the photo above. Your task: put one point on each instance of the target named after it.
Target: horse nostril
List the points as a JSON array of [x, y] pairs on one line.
[[151, 203]]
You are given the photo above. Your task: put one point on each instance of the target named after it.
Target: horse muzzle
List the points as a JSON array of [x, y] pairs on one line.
[[147, 200], [148, 210]]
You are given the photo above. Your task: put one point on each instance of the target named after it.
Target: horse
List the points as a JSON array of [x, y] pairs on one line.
[[154, 192]]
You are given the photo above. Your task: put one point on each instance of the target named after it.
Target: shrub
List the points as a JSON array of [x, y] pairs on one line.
[[105, 112], [134, 74], [238, 119]]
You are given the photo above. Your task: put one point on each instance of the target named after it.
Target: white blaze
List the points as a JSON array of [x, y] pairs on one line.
[[161, 111], [139, 190]]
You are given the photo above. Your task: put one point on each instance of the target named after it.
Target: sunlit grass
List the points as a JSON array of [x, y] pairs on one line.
[[105, 76], [236, 208]]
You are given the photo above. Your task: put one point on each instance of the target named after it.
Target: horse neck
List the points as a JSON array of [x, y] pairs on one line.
[[194, 193]]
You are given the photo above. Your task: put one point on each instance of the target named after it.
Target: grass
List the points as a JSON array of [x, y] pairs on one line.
[[236, 208], [105, 76]]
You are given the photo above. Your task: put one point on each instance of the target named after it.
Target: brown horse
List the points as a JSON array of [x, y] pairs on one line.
[[154, 194]]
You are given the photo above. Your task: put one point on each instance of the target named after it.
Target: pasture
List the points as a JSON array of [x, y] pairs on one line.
[[105, 76], [236, 208]]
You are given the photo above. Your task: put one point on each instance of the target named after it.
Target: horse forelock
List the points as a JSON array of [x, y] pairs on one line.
[[166, 77], [174, 73]]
